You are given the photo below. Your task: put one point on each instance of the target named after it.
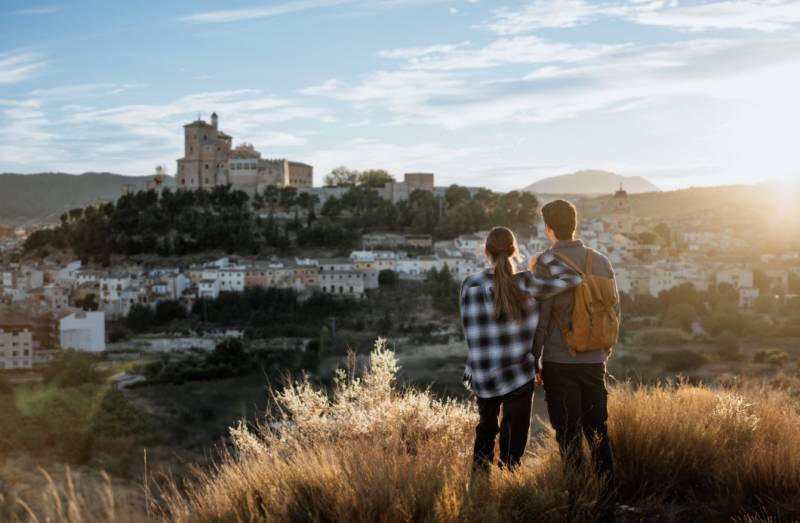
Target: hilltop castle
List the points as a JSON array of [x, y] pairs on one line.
[[209, 159]]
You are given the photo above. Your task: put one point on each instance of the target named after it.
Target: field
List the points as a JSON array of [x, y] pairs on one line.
[[373, 452]]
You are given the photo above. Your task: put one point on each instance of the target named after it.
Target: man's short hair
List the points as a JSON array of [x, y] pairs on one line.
[[562, 217]]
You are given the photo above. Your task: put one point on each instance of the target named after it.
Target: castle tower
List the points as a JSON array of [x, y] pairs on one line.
[[621, 200], [621, 218], [205, 155]]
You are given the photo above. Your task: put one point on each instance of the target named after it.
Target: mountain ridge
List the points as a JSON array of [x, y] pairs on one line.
[[590, 182], [43, 197]]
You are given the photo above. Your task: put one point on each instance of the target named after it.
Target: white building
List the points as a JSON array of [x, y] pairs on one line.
[[16, 346], [747, 297], [67, 275], [409, 268], [471, 242], [111, 288], [208, 288], [737, 277], [661, 279], [232, 278], [343, 282], [83, 331]]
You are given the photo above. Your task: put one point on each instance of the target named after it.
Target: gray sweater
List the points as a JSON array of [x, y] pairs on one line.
[[548, 338]]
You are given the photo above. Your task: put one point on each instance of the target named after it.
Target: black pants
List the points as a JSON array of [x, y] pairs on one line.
[[577, 403], [513, 427]]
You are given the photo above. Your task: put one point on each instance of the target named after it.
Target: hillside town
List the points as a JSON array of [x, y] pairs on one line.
[[46, 307]]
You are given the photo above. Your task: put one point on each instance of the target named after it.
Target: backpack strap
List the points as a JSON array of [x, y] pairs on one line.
[[569, 262], [589, 261]]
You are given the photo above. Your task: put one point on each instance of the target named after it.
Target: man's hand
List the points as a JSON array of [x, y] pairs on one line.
[[538, 379], [533, 262]]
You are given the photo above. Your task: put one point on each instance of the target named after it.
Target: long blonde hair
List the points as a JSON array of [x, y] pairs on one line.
[[510, 302]]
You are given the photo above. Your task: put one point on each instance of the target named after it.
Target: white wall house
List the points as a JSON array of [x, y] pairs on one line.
[[111, 288], [208, 288], [343, 282], [231, 279], [748, 296], [16, 346], [409, 268], [67, 275], [83, 331], [735, 276]]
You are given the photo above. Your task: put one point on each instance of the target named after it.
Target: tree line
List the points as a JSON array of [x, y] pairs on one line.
[[184, 222]]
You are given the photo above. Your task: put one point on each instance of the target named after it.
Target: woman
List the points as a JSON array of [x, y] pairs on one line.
[[499, 315]]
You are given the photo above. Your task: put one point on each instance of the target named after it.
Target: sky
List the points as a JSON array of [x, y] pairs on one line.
[[481, 92]]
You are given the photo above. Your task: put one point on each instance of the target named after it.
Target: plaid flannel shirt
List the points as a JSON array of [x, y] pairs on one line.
[[501, 357]]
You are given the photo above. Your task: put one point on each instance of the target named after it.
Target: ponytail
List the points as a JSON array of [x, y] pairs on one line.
[[510, 302]]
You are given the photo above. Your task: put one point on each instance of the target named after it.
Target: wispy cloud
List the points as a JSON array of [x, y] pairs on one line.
[[267, 11], [503, 51], [251, 13], [757, 15], [17, 66], [43, 10], [75, 91], [417, 52], [451, 91]]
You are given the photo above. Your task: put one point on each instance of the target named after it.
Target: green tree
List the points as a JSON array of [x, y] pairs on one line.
[[325, 341], [387, 277], [342, 177], [307, 202], [375, 178], [456, 195], [229, 351], [443, 289], [332, 208]]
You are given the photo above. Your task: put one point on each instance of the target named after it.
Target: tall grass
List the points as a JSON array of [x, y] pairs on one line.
[[371, 452], [70, 497]]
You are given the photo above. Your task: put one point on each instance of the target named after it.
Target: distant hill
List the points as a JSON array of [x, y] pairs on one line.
[[42, 198], [729, 204], [590, 182]]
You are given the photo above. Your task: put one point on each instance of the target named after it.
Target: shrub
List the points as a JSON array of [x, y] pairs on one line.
[[387, 277], [661, 336], [771, 356], [72, 368], [680, 361], [728, 346]]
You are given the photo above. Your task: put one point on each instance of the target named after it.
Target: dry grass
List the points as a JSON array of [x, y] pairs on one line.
[[68, 496], [374, 453]]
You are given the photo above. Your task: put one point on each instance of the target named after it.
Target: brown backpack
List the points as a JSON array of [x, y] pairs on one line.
[[595, 322]]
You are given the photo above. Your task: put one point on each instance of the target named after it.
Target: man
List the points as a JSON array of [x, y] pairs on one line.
[[574, 383]]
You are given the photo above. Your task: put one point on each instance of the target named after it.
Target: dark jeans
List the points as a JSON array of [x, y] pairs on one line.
[[577, 403], [513, 427]]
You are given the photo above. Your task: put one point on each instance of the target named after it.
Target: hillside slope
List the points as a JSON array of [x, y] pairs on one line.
[[42, 198], [374, 452]]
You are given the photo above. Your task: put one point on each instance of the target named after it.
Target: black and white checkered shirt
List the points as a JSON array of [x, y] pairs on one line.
[[501, 357]]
